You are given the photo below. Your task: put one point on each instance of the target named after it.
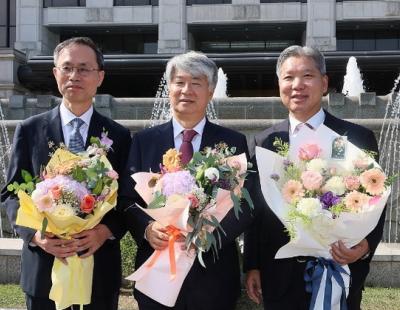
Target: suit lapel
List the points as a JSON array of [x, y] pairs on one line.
[[54, 129], [95, 127], [163, 142], [281, 131], [209, 135]]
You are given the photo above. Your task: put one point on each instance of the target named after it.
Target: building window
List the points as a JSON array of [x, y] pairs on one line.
[[63, 3], [135, 2], [118, 43], [7, 23], [368, 40], [190, 2]]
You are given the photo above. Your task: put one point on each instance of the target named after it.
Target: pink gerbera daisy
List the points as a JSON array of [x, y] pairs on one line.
[[355, 200], [292, 191], [373, 180]]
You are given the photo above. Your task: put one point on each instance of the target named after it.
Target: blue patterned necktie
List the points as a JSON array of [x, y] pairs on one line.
[[76, 143]]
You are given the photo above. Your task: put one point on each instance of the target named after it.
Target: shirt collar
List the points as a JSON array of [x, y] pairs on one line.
[[315, 121], [178, 128], [67, 116]]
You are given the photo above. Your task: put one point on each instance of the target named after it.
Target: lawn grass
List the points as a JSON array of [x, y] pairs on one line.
[[11, 296]]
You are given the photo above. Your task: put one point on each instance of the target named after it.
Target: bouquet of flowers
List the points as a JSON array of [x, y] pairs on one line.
[[323, 190], [73, 193], [189, 200]]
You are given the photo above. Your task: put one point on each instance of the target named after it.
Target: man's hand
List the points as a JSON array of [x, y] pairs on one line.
[[344, 256], [157, 236], [59, 248], [253, 285], [92, 239]]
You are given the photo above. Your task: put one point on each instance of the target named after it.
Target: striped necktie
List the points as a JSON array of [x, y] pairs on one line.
[[76, 143]]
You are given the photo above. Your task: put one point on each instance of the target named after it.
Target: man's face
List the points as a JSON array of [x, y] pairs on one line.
[[189, 96], [78, 89], [301, 87]]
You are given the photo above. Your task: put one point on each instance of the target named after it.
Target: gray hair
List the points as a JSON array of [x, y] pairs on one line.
[[302, 51], [81, 41], [194, 63]]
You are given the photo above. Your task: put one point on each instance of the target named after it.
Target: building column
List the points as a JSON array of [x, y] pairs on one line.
[[31, 37], [10, 60], [321, 24], [172, 27]]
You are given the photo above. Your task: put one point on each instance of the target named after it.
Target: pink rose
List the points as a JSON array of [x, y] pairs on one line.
[[112, 174], [352, 182], [309, 151], [311, 180], [194, 202], [361, 163]]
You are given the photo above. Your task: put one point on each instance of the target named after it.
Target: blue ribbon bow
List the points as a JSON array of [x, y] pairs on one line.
[[313, 276]]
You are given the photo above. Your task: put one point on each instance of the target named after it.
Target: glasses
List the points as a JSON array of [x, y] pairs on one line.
[[68, 70]]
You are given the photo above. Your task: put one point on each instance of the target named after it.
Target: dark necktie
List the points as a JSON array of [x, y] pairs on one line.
[[76, 143], [301, 125], [186, 148]]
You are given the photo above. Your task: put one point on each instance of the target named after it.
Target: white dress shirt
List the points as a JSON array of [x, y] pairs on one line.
[[67, 116], [315, 121], [178, 135]]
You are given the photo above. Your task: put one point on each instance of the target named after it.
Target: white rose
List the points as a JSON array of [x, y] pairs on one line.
[[212, 174], [317, 165], [335, 185], [310, 207]]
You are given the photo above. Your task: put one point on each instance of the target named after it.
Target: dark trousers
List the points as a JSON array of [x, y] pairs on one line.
[[101, 303], [296, 297], [182, 303]]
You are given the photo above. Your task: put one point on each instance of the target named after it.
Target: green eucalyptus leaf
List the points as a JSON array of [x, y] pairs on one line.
[[236, 204], [246, 196], [98, 188], [200, 257], [26, 175], [44, 226], [158, 202]]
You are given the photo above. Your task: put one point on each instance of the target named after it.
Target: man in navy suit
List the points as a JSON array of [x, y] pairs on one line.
[[279, 282], [79, 72], [191, 79]]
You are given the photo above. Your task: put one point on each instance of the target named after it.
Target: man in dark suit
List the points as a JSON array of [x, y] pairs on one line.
[[78, 71], [191, 79], [302, 83]]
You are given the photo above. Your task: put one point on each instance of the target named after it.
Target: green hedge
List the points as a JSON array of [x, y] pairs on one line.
[[128, 253]]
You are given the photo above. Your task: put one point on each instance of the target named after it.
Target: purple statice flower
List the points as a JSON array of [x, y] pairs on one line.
[[329, 199], [286, 163], [224, 184], [275, 177], [105, 141], [180, 182]]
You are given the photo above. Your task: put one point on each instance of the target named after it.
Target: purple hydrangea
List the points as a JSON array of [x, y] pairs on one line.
[[66, 183], [180, 182], [329, 199]]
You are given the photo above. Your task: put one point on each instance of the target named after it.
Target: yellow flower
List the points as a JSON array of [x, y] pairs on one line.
[[172, 160]]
